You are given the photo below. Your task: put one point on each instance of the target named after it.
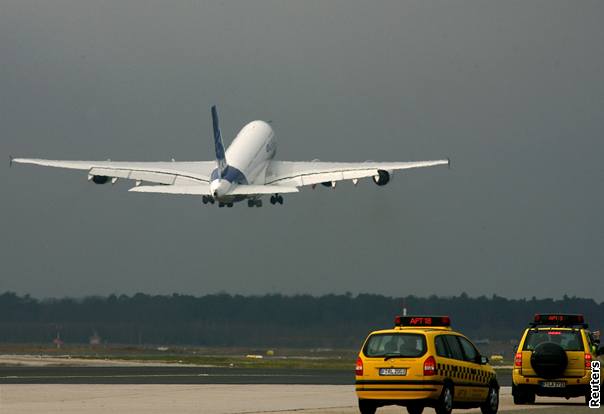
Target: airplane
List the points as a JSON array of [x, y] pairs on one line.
[[247, 170]]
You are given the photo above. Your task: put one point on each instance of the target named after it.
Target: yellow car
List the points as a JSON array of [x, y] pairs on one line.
[[422, 362], [554, 359]]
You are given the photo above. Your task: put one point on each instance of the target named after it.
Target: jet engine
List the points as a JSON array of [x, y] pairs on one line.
[[100, 179], [382, 178]]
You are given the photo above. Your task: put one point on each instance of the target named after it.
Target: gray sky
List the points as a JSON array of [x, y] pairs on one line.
[[512, 91]]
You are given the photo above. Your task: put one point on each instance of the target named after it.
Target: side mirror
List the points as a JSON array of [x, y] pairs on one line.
[[484, 360]]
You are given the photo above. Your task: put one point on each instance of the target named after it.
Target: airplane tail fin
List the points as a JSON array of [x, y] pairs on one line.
[[220, 157]]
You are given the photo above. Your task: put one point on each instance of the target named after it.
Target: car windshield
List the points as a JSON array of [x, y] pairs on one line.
[[405, 345], [568, 340]]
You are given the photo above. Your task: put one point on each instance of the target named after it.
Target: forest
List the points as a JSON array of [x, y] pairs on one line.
[[223, 319]]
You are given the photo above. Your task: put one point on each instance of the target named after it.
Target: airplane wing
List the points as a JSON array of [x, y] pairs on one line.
[[294, 173], [204, 189], [163, 172]]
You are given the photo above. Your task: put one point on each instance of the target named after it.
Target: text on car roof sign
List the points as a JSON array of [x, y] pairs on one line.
[[422, 321], [558, 319]]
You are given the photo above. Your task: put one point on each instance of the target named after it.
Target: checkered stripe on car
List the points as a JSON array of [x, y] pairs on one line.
[[464, 373]]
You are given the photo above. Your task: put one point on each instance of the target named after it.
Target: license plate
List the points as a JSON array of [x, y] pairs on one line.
[[393, 371], [553, 384]]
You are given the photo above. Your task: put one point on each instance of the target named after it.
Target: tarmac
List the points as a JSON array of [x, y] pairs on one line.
[[218, 399], [30, 384]]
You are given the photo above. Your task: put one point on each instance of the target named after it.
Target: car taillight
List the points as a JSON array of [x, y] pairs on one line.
[[430, 366], [587, 361], [518, 359], [358, 369]]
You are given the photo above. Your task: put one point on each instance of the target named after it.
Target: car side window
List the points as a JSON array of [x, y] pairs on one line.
[[454, 347], [470, 353], [441, 347]]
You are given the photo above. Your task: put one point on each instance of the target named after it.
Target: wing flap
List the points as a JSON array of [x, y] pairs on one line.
[[162, 172], [315, 172]]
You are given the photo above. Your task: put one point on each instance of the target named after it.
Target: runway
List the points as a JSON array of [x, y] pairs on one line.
[[176, 375], [218, 399], [170, 375]]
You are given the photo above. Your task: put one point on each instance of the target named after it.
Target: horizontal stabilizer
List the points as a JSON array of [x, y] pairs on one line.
[[261, 189], [204, 189], [198, 189]]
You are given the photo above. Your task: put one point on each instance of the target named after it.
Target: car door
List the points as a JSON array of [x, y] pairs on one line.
[[456, 368], [477, 382]]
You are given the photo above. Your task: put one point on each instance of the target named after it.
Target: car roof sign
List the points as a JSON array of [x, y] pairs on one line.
[[559, 320], [422, 321]]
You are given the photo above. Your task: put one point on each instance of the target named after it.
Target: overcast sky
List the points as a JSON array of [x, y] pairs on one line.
[[512, 91]]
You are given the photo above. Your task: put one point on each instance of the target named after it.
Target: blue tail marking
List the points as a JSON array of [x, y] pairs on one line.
[[220, 157]]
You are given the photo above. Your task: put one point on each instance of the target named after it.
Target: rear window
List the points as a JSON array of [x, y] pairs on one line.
[[406, 345], [568, 340]]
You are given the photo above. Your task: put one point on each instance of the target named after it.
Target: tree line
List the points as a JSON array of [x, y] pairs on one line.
[[269, 320]]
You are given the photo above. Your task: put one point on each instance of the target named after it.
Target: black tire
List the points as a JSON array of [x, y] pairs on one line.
[[367, 406], [415, 409], [491, 404], [522, 395], [587, 396], [444, 405], [549, 360]]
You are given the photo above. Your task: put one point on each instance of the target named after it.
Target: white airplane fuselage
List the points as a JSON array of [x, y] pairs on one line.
[[247, 159]]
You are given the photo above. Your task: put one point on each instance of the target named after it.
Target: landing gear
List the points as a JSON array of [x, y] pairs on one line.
[[254, 203], [207, 199], [276, 199]]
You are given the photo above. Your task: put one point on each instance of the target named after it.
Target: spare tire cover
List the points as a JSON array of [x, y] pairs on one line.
[[549, 360]]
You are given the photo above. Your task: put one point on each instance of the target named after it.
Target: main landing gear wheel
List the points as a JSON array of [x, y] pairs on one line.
[[277, 199], [254, 203]]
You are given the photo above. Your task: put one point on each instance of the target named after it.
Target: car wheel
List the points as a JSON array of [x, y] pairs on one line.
[[491, 405], [522, 395], [444, 405], [415, 409], [367, 406]]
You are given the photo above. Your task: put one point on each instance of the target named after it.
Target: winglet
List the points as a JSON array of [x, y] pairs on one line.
[[219, 147], [10, 161], [449, 162]]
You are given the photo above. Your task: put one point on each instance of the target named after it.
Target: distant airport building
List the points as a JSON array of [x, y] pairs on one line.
[[95, 339]]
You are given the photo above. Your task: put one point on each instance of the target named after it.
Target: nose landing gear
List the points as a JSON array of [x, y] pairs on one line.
[[276, 199]]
